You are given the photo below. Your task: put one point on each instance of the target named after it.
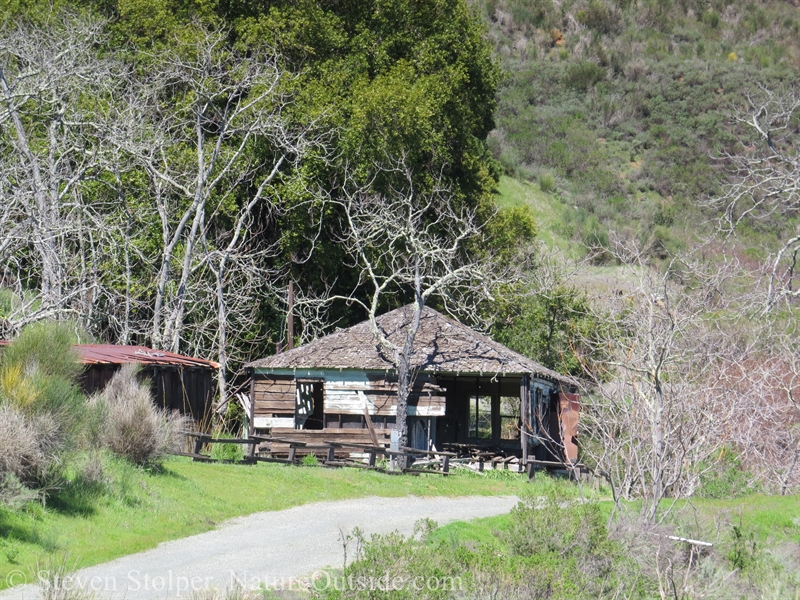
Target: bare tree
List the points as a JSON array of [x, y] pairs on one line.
[[209, 127], [765, 183], [417, 243], [658, 404], [765, 424], [53, 89]]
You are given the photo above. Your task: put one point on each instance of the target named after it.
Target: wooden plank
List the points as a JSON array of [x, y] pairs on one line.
[[271, 422], [268, 459], [422, 471], [428, 452], [370, 427]]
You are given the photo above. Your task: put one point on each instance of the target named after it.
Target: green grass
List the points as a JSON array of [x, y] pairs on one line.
[[140, 509], [772, 520], [547, 208]]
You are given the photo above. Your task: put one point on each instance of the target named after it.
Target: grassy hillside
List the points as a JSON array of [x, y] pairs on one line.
[[624, 108]]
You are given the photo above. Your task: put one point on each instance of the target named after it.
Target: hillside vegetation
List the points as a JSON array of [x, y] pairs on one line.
[[624, 111]]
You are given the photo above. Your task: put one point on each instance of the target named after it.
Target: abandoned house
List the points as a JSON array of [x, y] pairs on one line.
[[468, 390], [177, 382]]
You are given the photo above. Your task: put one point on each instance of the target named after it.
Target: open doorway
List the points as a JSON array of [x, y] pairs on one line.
[[309, 409]]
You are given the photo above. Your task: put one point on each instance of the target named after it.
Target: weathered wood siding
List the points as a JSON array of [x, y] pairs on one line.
[[345, 393], [188, 390], [317, 436], [274, 395]]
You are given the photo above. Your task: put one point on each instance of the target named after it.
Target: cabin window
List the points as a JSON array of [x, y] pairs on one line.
[[480, 417], [509, 418], [308, 409]]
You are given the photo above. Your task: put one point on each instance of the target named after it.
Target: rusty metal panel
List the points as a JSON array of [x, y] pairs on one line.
[[569, 411], [111, 354]]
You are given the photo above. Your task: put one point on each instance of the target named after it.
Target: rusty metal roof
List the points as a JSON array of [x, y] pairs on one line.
[[441, 345], [99, 354], [112, 354]]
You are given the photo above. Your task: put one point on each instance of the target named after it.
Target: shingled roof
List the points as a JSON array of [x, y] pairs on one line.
[[441, 345]]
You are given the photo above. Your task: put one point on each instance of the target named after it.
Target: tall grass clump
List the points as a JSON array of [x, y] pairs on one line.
[[41, 410], [133, 427]]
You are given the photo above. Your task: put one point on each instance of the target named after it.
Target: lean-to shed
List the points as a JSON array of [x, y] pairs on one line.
[[177, 382], [468, 389]]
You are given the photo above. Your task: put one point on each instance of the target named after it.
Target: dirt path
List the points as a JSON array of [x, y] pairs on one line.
[[273, 549]]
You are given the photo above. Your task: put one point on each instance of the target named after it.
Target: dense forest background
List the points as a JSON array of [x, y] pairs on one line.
[[622, 114]]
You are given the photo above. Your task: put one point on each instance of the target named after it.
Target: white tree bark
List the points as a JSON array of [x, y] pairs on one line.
[[418, 244], [52, 92]]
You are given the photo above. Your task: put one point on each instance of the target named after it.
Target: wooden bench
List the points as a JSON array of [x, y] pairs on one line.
[[550, 465], [206, 438], [446, 456]]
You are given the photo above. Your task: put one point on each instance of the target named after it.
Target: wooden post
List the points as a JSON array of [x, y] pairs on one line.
[[251, 429], [524, 404], [290, 318], [370, 426], [331, 453], [446, 465], [198, 445]]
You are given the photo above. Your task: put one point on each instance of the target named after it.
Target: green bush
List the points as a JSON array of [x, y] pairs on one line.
[[584, 75], [726, 478], [547, 548], [226, 452], [42, 411], [601, 17], [547, 183], [45, 347], [310, 460]]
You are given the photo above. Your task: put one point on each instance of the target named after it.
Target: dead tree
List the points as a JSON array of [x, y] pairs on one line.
[[657, 402], [209, 127], [417, 243], [765, 184], [765, 426], [53, 90]]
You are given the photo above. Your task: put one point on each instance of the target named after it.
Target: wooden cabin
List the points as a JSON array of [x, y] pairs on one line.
[[468, 390]]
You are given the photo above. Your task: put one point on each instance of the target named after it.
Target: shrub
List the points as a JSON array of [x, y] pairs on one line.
[[584, 75], [547, 183], [41, 410], [45, 347], [310, 460], [727, 478], [600, 17], [227, 452], [134, 427]]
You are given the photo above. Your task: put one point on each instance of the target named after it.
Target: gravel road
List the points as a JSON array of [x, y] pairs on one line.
[[268, 548]]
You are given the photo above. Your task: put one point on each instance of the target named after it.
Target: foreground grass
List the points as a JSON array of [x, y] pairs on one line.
[[136, 510], [768, 520]]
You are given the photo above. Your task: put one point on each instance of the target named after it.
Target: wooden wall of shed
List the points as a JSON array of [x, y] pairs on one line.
[[345, 394], [274, 395], [188, 390]]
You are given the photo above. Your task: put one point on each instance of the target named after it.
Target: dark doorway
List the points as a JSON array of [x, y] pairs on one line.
[[309, 410]]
